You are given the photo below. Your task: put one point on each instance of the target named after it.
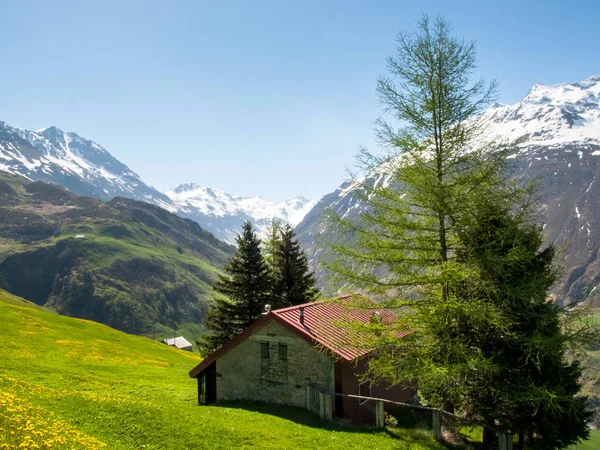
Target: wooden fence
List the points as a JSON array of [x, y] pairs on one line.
[[321, 403]]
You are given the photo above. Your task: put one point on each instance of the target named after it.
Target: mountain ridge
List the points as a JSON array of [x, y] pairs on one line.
[[555, 134], [86, 168], [230, 211]]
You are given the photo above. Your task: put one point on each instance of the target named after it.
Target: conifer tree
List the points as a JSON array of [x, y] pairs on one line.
[[245, 290], [402, 249], [429, 246], [270, 244], [293, 281], [535, 394]]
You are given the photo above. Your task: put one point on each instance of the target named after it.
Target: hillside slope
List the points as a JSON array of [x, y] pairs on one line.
[[133, 264], [72, 383], [555, 134]]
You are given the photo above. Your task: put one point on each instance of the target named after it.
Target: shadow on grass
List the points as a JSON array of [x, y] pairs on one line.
[[303, 417]]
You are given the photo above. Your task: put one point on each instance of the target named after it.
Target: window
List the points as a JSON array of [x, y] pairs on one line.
[[283, 355], [364, 390], [264, 350]]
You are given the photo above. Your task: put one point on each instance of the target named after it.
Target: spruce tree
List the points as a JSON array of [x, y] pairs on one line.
[[293, 281], [245, 290], [536, 392]]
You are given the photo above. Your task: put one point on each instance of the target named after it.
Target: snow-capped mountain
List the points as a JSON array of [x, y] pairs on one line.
[[224, 213], [555, 131], [549, 116], [86, 168], [76, 163]]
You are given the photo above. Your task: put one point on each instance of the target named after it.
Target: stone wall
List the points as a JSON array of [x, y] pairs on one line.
[[242, 374]]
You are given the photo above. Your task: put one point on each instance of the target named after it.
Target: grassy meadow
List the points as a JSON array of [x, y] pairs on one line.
[[74, 384]]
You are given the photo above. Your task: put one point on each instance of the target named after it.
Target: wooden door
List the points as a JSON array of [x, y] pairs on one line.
[[211, 383]]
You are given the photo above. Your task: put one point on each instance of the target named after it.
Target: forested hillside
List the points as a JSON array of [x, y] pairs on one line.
[[125, 263]]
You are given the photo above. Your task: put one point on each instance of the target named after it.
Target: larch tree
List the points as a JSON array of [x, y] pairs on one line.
[[409, 231], [405, 248], [402, 248], [245, 289]]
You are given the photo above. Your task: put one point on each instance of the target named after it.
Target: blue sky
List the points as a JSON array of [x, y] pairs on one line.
[[254, 97]]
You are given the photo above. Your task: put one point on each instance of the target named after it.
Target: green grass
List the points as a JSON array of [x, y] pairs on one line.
[[87, 385], [593, 443]]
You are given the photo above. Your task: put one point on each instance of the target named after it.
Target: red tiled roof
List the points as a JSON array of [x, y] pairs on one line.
[[324, 324]]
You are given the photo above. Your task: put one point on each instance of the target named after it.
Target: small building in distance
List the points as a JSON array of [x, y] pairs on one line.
[[179, 342], [289, 354]]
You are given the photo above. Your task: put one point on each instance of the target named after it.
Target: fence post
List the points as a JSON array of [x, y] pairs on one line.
[[436, 425], [502, 441], [322, 405], [379, 421], [328, 409]]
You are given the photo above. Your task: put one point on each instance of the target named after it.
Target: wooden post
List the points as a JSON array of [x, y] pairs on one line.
[[509, 441], [503, 440], [322, 405], [328, 409], [436, 425], [308, 398], [379, 420]]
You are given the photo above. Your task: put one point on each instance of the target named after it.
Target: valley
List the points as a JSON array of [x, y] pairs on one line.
[[83, 235]]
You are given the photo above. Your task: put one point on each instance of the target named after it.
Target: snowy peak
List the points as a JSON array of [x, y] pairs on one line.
[[555, 131], [584, 93], [216, 206], [72, 161], [186, 187], [86, 168], [549, 116]]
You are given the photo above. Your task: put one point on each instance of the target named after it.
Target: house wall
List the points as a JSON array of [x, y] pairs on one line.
[[349, 374], [243, 375]]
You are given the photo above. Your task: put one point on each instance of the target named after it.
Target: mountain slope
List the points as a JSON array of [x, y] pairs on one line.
[[225, 214], [69, 160], [125, 263], [86, 168], [555, 133], [95, 387]]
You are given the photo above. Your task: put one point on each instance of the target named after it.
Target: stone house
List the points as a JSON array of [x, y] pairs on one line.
[[286, 350]]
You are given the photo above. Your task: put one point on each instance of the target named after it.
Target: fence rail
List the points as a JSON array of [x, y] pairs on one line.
[[320, 402]]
